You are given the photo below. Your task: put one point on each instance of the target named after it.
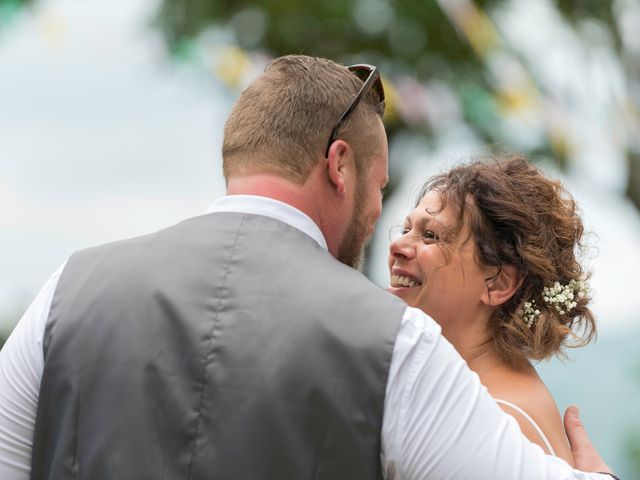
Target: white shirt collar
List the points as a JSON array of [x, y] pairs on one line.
[[270, 208]]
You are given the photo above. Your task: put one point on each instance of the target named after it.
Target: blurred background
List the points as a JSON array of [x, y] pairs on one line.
[[111, 117]]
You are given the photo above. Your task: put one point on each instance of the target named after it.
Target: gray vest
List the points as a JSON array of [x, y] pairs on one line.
[[230, 346]]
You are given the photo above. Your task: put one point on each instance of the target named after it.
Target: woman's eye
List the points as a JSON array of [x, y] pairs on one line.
[[427, 236], [430, 236]]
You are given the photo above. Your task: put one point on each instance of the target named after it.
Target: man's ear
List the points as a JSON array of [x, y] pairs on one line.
[[337, 163], [502, 287]]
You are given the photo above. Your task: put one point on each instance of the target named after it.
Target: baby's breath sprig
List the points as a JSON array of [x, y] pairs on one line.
[[530, 313], [561, 297]]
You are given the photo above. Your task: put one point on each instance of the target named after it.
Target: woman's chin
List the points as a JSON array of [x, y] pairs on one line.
[[405, 293]]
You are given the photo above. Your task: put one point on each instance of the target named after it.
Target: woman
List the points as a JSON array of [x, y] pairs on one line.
[[489, 252]]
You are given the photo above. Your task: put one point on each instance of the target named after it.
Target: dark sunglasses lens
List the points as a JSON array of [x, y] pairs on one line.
[[363, 73], [377, 86]]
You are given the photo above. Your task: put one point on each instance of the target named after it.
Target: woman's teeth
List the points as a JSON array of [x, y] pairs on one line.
[[402, 281]]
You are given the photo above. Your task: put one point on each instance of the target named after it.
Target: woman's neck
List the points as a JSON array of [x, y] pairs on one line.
[[474, 343], [478, 352]]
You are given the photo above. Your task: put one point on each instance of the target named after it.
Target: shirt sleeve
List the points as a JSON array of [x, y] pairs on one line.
[[441, 423], [21, 365]]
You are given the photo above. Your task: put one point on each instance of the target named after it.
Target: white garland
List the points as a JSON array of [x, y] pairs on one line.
[[561, 297]]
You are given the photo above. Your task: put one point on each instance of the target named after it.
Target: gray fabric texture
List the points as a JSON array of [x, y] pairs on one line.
[[229, 346]]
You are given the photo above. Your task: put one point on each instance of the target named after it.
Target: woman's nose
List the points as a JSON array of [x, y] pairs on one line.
[[402, 247]]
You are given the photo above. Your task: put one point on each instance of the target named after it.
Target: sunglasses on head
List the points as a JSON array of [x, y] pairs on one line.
[[371, 78]]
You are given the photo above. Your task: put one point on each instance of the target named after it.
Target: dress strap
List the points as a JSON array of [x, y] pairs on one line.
[[531, 421]]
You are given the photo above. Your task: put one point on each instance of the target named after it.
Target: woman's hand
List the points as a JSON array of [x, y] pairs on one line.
[[585, 455]]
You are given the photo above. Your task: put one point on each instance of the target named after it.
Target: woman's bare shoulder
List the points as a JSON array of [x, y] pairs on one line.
[[524, 389]]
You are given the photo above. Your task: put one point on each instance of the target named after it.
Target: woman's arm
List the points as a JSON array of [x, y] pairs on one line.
[[446, 425]]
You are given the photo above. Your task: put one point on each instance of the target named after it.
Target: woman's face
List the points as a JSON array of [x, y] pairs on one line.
[[450, 290]]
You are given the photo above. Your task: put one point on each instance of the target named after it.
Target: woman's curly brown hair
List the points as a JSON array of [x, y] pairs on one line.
[[519, 217]]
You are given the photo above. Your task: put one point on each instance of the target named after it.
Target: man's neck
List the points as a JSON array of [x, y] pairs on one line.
[[274, 187], [305, 198]]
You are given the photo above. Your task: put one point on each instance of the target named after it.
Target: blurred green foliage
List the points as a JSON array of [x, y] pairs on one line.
[[8, 319], [405, 36], [633, 451], [9, 9], [632, 440], [414, 36], [451, 42], [328, 28], [441, 40]]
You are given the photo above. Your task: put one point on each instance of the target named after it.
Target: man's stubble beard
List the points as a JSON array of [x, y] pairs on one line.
[[351, 250]]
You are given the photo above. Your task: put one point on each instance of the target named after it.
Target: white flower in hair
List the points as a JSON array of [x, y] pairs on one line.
[[530, 313], [561, 297]]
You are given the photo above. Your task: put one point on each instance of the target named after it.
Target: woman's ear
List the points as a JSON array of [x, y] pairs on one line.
[[502, 287]]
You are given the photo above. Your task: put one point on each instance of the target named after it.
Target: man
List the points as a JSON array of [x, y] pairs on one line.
[[234, 346]]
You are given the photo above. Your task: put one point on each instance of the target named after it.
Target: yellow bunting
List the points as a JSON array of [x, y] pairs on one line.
[[231, 64], [480, 31], [517, 99], [474, 23], [560, 142], [53, 28]]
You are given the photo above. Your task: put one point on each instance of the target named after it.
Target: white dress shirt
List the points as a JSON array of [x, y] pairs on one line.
[[439, 421]]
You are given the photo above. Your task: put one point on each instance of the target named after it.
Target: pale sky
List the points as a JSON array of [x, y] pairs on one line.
[[100, 137]]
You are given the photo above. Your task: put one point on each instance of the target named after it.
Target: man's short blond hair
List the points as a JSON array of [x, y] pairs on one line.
[[281, 122]]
